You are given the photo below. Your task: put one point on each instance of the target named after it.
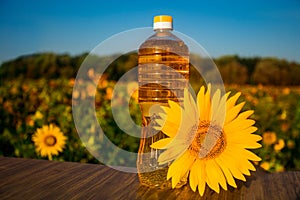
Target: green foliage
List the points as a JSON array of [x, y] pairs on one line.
[[47, 64], [234, 72]]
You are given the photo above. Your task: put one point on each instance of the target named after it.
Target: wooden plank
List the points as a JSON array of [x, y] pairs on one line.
[[40, 179]]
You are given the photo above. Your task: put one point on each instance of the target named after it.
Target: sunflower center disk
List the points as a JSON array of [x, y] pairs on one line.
[[209, 140], [50, 140]]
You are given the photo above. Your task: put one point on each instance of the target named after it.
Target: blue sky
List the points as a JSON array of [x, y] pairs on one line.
[[245, 28]]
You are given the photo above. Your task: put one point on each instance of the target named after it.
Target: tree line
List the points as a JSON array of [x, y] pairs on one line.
[[233, 69], [266, 71]]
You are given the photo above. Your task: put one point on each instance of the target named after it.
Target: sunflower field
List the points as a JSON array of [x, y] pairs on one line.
[[29, 105]]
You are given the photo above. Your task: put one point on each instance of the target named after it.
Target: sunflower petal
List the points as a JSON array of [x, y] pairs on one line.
[[250, 156], [241, 159], [233, 112], [238, 125], [215, 103], [174, 117], [170, 130], [227, 94], [162, 115], [245, 114], [200, 102], [193, 178], [246, 144], [231, 165], [180, 167], [171, 153], [201, 175], [227, 173], [211, 182], [190, 105], [215, 176], [250, 166], [162, 144], [156, 109], [243, 138], [232, 100], [246, 131], [220, 115], [207, 104], [174, 107]]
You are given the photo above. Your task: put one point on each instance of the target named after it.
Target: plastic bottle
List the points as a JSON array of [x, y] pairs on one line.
[[163, 73]]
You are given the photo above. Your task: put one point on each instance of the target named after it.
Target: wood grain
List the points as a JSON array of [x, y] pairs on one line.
[[39, 179]]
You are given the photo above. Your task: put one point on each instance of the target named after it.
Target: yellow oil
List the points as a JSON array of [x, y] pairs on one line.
[[163, 74]]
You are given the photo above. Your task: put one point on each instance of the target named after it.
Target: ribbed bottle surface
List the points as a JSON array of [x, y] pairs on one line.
[[163, 68]]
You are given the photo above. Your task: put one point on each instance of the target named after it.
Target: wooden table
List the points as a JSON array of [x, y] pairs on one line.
[[39, 179]]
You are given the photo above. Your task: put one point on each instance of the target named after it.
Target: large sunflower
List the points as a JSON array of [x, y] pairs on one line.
[[208, 140], [49, 140]]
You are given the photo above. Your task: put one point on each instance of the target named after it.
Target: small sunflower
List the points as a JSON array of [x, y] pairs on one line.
[[279, 145], [265, 165], [208, 140], [269, 138], [49, 140]]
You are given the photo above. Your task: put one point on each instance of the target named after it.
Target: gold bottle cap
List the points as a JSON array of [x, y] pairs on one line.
[[163, 22]]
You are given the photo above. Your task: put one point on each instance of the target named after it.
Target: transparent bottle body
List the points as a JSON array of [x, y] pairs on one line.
[[163, 74]]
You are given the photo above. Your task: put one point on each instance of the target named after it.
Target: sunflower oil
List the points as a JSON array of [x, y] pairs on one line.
[[163, 73]]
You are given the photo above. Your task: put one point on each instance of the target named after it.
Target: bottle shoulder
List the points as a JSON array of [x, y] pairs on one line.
[[162, 42]]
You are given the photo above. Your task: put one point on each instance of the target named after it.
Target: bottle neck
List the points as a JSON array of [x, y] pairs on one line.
[[163, 30]]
